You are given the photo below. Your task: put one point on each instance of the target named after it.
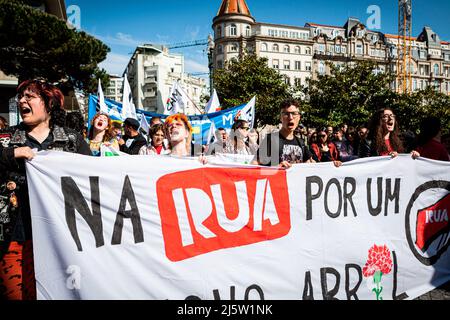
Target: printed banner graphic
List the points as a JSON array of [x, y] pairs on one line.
[[201, 124], [160, 227]]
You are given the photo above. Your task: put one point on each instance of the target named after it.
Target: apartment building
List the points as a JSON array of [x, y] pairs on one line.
[[152, 70]]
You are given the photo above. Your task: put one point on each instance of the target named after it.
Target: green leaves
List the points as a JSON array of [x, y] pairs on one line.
[[242, 79], [36, 44]]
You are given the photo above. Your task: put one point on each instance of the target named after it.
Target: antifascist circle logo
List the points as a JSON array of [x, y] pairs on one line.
[[427, 222]]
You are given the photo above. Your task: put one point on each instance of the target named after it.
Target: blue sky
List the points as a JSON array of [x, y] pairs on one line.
[[123, 25]]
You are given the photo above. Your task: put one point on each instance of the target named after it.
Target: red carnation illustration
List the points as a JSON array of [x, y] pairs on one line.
[[378, 263]]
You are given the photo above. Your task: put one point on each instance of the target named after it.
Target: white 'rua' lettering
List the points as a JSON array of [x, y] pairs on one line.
[[200, 206], [436, 216]]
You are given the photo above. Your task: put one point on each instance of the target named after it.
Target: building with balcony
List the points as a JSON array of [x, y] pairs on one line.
[[152, 70], [305, 52], [114, 91]]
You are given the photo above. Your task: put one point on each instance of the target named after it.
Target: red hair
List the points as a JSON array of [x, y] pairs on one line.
[[183, 118], [50, 94]]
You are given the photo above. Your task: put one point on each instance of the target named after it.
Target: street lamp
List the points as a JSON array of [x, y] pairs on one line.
[[211, 46]]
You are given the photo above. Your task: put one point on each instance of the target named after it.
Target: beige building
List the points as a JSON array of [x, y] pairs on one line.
[[152, 70], [288, 49], [115, 89], [303, 52]]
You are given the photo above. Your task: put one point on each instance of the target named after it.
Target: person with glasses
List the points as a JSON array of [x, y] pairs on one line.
[[284, 148], [384, 137], [41, 108], [238, 142]]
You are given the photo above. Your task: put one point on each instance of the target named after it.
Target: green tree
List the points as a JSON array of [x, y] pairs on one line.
[[251, 76], [36, 44], [349, 94], [412, 108]]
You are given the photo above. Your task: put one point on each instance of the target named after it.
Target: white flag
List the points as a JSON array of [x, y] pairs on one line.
[[177, 101], [101, 98], [128, 108], [212, 133], [144, 124], [248, 112], [213, 104]]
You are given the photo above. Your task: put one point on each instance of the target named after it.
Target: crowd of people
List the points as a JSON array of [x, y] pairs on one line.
[[45, 126]]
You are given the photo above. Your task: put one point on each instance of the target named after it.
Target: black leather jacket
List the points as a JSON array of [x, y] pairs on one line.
[[15, 219]]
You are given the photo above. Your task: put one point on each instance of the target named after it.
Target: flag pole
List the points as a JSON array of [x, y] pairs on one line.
[[191, 101]]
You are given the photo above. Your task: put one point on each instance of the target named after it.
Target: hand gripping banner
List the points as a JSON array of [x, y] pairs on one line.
[[159, 227]]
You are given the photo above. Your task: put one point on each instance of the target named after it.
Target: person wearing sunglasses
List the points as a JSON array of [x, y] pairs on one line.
[[238, 142], [41, 108], [324, 150], [284, 148]]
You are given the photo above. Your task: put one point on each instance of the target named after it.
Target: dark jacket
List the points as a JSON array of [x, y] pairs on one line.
[[367, 149], [136, 145], [15, 219]]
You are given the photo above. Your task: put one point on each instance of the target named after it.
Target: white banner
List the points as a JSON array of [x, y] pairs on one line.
[[159, 227]]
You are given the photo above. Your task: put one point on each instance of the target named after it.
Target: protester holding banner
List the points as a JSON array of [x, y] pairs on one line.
[[156, 145], [178, 131], [101, 134], [291, 149], [383, 138], [40, 106], [133, 141]]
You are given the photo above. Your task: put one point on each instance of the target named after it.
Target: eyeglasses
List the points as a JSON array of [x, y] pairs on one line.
[[294, 114], [245, 128], [28, 97], [388, 116]]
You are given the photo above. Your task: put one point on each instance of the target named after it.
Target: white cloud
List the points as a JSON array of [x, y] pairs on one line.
[[115, 63], [192, 66], [121, 39]]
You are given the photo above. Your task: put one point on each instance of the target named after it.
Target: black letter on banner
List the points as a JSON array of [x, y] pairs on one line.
[[327, 210], [352, 293], [309, 196], [348, 195], [254, 287], [74, 200], [329, 295], [375, 211], [308, 287], [403, 295], [216, 293], [133, 214], [392, 196]]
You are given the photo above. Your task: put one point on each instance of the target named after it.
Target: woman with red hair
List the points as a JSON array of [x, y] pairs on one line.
[[41, 108], [178, 131], [101, 134]]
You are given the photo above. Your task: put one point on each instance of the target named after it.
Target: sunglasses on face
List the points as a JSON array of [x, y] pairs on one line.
[[245, 128]]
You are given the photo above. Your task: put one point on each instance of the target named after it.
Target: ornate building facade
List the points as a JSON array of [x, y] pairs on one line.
[[305, 52]]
